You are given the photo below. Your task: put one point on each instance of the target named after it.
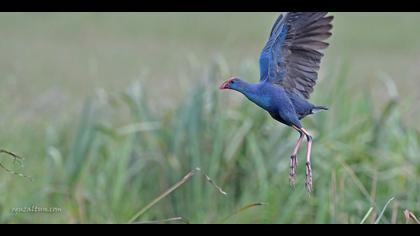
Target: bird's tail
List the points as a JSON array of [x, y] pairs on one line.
[[316, 109]]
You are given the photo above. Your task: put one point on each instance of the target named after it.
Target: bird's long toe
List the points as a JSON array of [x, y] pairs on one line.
[[292, 170], [308, 178]]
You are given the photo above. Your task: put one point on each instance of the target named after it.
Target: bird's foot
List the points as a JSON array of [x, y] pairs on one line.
[[308, 178], [292, 170]]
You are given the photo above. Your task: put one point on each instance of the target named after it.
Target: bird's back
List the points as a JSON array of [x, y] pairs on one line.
[[302, 106]]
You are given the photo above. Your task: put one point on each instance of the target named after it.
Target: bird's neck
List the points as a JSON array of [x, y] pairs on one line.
[[253, 93], [246, 88]]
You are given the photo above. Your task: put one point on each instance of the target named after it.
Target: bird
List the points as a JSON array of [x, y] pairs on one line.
[[289, 65]]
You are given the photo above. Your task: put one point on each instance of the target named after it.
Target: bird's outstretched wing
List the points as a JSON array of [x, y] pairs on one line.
[[291, 55]]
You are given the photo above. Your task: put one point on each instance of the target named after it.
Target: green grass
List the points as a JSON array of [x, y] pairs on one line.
[[102, 171], [102, 140]]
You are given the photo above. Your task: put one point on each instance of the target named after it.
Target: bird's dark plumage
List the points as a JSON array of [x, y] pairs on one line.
[[289, 64], [291, 55]]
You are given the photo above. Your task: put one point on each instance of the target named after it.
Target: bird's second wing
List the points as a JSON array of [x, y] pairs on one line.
[[291, 57]]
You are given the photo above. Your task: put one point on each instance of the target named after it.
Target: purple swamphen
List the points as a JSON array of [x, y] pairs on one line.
[[289, 65]]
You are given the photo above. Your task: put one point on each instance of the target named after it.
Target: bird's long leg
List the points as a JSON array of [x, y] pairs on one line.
[[294, 160], [308, 178]]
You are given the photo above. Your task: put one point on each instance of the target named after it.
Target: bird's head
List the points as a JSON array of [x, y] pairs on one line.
[[232, 83]]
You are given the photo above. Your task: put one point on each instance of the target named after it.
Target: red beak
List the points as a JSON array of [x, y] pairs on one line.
[[225, 85]]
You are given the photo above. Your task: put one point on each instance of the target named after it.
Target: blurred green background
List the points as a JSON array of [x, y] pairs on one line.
[[112, 109]]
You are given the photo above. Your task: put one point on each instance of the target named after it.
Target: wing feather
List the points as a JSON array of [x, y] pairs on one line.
[[291, 56]]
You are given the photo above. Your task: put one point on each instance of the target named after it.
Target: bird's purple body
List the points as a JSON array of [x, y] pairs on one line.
[[283, 105], [289, 64]]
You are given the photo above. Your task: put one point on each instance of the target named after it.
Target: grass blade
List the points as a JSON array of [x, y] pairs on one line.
[[356, 180], [171, 189], [163, 195], [383, 210], [246, 207], [15, 158], [173, 219], [366, 215]]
